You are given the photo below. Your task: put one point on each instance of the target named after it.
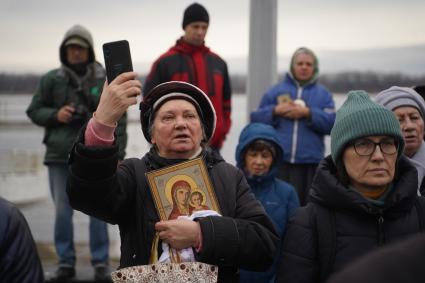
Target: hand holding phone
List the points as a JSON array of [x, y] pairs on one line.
[[117, 58]]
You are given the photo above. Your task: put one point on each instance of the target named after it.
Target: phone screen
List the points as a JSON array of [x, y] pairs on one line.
[[117, 58]]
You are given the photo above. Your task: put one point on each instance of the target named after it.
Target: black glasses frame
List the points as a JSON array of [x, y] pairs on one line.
[[355, 144]]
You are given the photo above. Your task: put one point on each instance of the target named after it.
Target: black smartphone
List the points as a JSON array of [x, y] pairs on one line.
[[117, 58]]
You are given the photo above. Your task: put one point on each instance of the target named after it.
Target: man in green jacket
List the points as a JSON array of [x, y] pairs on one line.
[[64, 101]]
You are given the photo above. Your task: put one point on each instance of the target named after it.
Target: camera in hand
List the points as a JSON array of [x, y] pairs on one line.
[[80, 115]]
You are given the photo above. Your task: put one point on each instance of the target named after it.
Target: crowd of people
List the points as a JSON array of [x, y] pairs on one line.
[[286, 212]]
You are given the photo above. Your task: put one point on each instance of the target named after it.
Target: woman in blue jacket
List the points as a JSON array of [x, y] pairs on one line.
[[303, 112], [259, 154]]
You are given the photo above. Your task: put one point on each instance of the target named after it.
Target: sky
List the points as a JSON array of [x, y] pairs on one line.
[[31, 31]]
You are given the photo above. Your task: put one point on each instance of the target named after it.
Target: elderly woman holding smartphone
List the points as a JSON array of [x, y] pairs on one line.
[[178, 120], [363, 196]]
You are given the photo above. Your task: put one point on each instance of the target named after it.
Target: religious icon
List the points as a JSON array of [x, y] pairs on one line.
[[182, 189], [284, 98]]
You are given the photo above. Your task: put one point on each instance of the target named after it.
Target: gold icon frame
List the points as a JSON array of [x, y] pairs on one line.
[[192, 172]]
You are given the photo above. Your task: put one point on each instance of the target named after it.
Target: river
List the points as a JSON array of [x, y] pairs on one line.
[[21, 151]]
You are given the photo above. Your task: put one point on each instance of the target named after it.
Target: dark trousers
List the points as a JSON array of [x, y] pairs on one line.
[[300, 176]]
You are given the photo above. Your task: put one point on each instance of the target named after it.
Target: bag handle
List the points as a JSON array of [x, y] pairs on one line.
[[154, 249], [174, 254]]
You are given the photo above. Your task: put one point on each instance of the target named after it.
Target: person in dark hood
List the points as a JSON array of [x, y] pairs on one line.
[[259, 154], [303, 112], [64, 101], [189, 60], [364, 196], [178, 120]]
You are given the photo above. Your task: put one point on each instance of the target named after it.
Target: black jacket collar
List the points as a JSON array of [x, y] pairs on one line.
[[328, 191]]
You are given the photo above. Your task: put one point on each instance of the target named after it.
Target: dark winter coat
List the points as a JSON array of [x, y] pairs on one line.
[[61, 87], [359, 225], [244, 237], [19, 260], [199, 66], [399, 263]]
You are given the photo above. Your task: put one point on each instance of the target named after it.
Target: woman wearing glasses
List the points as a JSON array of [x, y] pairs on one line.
[[363, 196]]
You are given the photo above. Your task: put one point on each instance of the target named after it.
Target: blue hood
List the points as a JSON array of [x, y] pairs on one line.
[[255, 131]]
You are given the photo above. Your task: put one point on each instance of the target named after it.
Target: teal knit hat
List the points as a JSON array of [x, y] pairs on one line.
[[358, 117]]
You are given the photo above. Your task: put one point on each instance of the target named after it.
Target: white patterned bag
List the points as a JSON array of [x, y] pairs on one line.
[[170, 268], [196, 272]]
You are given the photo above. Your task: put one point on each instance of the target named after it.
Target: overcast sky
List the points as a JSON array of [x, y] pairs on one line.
[[31, 31]]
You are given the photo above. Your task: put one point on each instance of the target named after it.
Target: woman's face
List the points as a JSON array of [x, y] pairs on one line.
[[177, 131], [412, 127], [374, 171], [303, 67], [182, 195]]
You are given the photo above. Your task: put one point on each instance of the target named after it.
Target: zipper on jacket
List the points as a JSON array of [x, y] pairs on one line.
[[381, 235], [295, 130]]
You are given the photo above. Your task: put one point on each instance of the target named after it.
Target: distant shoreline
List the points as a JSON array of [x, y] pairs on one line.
[[340, 82]]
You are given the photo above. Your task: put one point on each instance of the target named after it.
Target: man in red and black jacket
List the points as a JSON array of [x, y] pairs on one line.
[[189, 60]]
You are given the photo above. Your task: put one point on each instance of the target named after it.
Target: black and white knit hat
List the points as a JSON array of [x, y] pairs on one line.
[[396, 96], [177, 90]]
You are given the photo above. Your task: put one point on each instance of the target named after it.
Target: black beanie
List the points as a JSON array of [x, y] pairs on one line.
[[195, 13]]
